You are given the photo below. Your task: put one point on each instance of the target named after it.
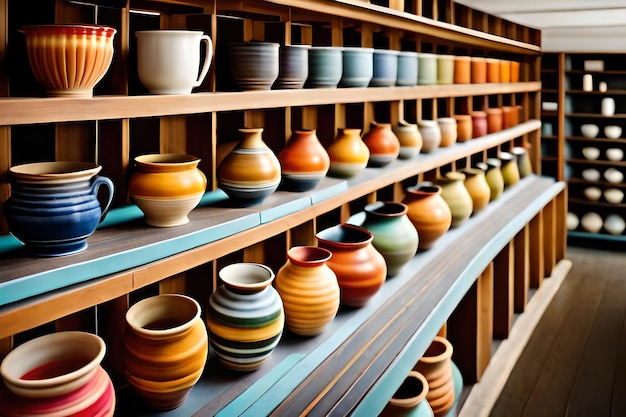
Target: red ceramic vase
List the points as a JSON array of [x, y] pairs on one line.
[[303, 161], [382, 143]]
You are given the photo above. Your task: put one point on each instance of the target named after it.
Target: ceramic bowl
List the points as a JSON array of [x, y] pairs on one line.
[[253, 65], [385, 68], [69, 60], [614, 195], [612, 131], [407, 68], [592, 193], [614, 154], [358, 67], [591, 152], [591, 174], [613, 175], [325, 66], [293, 66], [589, 130], [572, 221], [614, 224], [591, 222], [53, 364]]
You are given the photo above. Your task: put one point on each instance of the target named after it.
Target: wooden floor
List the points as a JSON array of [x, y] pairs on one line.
[[575, 361]]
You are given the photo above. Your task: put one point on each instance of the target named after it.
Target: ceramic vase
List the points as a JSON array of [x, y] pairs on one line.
[[383, 145], [476, 184], [359, 267], [479, 70], [447, 126], [445, 69], [607, 106], [494, 178], [325, 67], [505, 71], [293, 67], [407, 68], [348, 154], [457, 197], [410, 395], [436, 366], [166, 187], [509, 169], [493, 70], [462, 70], [409, 137], [431, 135], [53, 207], [428, 212], [253, 65], [309, 290], [394, 235], [358, 67], [251, 171], [510, 116], [303, 161], [515, 71], [523, 161], [165, 349], [385, 68], [494, 120], [245, 316], [463, 127], [427, 73], [479, 123]]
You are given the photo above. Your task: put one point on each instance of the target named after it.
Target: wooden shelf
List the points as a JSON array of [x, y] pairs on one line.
[[597, 92], [599, 140], [595, 116]]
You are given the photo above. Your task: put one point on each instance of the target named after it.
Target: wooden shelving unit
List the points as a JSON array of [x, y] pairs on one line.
[[499, 254]]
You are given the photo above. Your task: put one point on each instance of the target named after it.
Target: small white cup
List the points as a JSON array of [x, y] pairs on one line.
[[168, 60]]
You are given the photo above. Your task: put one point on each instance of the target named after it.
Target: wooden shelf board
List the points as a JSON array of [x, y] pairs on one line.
[[596, 115], [599, 140], [597, 92], [601, 162]]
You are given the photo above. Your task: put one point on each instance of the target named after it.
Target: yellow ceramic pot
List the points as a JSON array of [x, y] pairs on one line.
[[478, 188], [348, 154], [455, 194]]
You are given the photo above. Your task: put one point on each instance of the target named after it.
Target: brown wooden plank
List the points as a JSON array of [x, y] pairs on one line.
[[503, 291], [549, 237], [522, 269], [536, 260], [485, 320], [618, 402]]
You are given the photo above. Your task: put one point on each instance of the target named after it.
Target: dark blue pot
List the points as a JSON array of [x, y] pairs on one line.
[[56, 220]]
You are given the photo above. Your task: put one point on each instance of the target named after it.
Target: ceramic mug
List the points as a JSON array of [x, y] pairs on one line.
[[168, 60]]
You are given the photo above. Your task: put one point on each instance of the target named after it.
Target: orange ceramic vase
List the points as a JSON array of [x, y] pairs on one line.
[[383, 144], [515, 71], [166, 187], [463, 127], [493, 70], [457, 197], [510, 116], [165, 349], [436, 366], [428, 212], [479, 70], [462, 70], [494, 120], [505, 71], [309, 290], [410, 139], [303, 161], [348, 154], [360, 269], [476, 184]]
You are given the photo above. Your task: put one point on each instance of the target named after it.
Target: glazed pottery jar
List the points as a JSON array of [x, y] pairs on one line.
[[614, 224], [476, 184], [515, 71], [166, 187], [436, 366], [509, 169], [479, 123], [407, 68], [608, 106], [505, 71], [293, 66], [493, 70], [360, 268], [251, 171], [348, 154], [358, 67], [427, 73], [245, 316], [431, 135], [457, 197], [325, 66], [494, 120], [385, 68], [428, 212], [523, 161], [410, 395], [445, 69], [493, 175], [479, 70], [587, 82], [254, 65], [309, 290], [447, 126], [53, 207], [462, 70], [394, 235], [303, 161], [591, 222], [165, 349], [383, 145], [409, 137], [510, 116], [463, 127]]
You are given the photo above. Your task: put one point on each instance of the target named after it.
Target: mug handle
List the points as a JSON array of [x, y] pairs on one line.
[[95, 186], [207, 59]]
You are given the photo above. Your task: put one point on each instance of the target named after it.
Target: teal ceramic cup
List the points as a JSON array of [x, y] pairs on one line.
[[358, 67], [407, 68], [325, 66]]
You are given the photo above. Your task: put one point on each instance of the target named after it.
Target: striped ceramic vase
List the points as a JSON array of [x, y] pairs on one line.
[[245, 316]]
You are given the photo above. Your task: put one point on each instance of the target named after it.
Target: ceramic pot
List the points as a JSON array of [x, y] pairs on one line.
[[409, 137], [428, 212], [505, 71], [394, 235], [358, 67], [572, 221], [447, 126], [612, 131], [383, 145], [407, 68], [614, 224], [613, 175], [293, 66], [462, 70], [360, 268], [463, 127], [303, 161], [325, 66], [587, 82], [411, 393], [613, 195], [348, 154], [165, 349], [479, 123], [431, 135], [493, 70], [254, 65], [309, 290], [166, 187], [591, 222], [245, 316], [494, 120], [53, 207], [427, 73], [385, 68], [509, 169], [613, 154], [457, 197], [608, 106], [515, 71], [479, 70], [510, 116], [251, 171], [436, 366], [523, 161], [476, 184], [592, 193], [602, 86], [494, 178], [445, 69]]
